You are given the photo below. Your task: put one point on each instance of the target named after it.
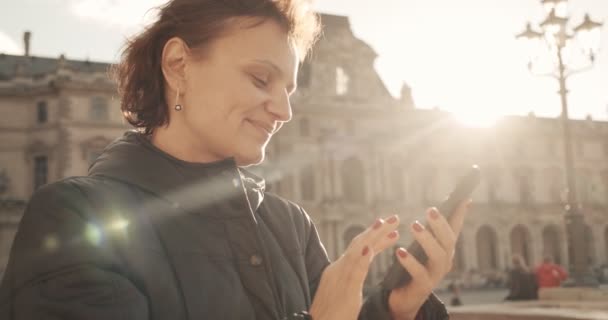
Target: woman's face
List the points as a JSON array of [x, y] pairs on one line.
[[237, 95]]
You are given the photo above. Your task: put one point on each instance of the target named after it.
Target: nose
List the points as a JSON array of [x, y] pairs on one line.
[[280, 107]]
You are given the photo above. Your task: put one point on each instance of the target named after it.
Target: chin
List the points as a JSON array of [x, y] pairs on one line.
[[250, 158]]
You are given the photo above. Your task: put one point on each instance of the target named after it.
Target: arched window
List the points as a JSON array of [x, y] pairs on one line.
[[487, 249], [521, 243], [353, 180], [552, 241]]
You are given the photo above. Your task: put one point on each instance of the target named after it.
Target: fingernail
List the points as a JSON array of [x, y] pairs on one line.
[[393, 234], [365, 251], [402, 253], [417, 226], [392, 219], [469, 204], [378, 223], [433, 213]]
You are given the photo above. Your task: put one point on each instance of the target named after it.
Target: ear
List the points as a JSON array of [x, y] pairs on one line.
[[173, 64]]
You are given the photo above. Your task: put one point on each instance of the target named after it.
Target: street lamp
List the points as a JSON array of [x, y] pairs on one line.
[[558, 51]]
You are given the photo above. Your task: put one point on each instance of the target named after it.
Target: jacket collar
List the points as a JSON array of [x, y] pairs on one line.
[[134, 160]]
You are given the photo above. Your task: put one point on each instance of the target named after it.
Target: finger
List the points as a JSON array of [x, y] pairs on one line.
[[434, 251], [457, 219], [386, 235], [359, 242], [441, 229], [375, 234], [359, 268], [416, 269]]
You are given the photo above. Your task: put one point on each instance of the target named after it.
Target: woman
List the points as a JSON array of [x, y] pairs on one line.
[[169, 225]]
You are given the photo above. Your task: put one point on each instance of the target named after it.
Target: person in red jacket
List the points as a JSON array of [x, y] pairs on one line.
[[550, 274]]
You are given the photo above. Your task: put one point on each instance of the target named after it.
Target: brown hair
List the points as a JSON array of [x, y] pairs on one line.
[[198, 22]]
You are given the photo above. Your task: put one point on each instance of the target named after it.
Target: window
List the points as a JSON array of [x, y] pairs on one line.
[[42, 112], [353, 181], [487, 248], [99, 109], [341, 82], [40, 171], [584, 181], [308, 183], [493, 180], [526, 187]]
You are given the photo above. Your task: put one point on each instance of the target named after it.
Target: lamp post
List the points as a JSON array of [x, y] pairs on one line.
[[559, 51]]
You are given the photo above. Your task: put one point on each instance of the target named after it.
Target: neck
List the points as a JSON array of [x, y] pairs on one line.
[[181, 145]]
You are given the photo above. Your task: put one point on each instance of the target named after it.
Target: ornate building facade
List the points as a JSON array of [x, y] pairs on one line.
[[351, 153]]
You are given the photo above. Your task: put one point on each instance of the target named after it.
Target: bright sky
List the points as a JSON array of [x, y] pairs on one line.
[[460, 56]]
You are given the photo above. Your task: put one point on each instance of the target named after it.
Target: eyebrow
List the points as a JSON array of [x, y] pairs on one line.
[[291, 87]]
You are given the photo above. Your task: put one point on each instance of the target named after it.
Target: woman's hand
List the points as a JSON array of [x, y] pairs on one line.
[[339, 296], [405, 302]]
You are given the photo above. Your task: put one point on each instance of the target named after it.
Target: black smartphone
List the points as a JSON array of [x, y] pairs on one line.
[[397, 276]]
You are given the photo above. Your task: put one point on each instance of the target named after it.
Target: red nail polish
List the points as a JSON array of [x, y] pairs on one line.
[[378, 224], [393, 234], [417, 226], [365, 251], [402, 253], [392, 219], [433, 213]]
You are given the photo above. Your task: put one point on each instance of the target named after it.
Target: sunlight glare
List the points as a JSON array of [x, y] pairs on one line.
[[477, 118]]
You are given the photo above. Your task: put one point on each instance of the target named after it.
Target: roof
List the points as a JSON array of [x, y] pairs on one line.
[[36, 66]]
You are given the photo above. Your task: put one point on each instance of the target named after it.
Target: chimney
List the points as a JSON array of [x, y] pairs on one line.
[[26, 42]]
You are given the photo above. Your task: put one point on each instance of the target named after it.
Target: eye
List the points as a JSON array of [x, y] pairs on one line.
[[259, 81]]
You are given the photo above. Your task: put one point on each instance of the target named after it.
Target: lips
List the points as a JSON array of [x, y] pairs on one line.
[[269, 128]]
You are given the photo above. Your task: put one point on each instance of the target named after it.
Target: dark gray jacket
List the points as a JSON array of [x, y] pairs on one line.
[[147, 236]]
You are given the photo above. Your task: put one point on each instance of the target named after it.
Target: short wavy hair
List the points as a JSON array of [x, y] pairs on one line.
[[139, 76]]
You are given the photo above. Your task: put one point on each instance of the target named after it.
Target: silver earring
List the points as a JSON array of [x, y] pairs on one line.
[[178, 107]]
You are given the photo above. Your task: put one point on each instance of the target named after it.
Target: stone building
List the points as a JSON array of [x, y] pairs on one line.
[[351, 153]]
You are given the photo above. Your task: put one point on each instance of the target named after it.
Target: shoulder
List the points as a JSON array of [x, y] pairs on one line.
[[77, 196], [279, 206]]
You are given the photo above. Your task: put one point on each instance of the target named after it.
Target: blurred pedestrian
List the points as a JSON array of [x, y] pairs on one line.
[[522, 282], [454, 289], [550, 274]]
